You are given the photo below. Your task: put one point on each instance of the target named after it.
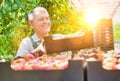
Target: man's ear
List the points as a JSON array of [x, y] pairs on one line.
[[31, 23]]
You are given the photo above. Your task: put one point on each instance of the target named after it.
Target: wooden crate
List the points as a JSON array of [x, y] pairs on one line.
[[103, 35], [69, 44]]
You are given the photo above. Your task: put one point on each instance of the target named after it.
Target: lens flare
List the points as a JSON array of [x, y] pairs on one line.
[[92, 16]]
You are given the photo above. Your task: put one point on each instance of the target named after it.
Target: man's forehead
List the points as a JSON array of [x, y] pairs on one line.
[[40, 11], [39, 15]]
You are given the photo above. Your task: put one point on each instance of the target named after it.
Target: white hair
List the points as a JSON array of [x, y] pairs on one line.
[[37, 10], [30, 16]]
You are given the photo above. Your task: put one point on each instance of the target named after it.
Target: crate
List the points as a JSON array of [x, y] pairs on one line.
[[103, 35], [95, 72], [73, 73], [69, 44]]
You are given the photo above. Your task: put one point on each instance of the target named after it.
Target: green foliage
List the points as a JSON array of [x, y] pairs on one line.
[[6, 48], [116, 31], [14, 24]]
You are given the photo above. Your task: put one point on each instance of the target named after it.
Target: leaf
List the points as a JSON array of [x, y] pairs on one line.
[[14, 7]]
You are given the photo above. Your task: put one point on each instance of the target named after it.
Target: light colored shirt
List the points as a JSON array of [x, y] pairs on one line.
[[26, 45]]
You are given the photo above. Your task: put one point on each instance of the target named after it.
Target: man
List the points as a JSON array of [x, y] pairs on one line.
[[40, 21]]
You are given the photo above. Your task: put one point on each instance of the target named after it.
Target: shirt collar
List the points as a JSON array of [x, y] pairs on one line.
[[35, 38]]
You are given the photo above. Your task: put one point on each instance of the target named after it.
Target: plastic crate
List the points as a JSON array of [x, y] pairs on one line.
[[73, 73], [95, 72], [103, 35]]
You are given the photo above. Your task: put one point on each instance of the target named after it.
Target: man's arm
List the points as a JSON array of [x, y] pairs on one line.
[[24, 47]]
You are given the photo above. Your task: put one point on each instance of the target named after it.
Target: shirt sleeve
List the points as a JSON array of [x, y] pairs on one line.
[[25, 47]]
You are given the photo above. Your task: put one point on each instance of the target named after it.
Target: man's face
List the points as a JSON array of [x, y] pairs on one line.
[[41, 22]]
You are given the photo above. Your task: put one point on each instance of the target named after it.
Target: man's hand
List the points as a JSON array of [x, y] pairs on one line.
[[40, 50]]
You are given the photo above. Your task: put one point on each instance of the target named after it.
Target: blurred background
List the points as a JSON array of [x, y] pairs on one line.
[[67, 16]]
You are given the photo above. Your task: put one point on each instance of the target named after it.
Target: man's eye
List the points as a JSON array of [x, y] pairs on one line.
[[41, 19]]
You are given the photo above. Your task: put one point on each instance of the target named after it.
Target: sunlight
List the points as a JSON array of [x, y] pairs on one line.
[[92, 16]]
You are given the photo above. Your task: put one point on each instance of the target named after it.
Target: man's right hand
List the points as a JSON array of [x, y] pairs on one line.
[[39, 51]]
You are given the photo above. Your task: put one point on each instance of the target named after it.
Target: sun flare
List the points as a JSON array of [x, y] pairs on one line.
[[92, 16]]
